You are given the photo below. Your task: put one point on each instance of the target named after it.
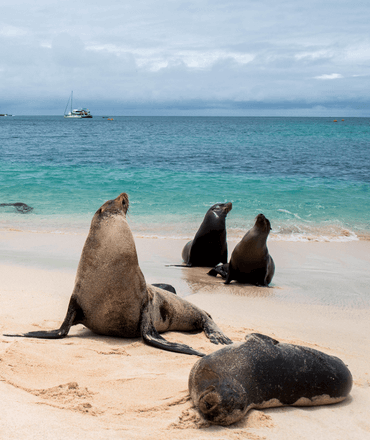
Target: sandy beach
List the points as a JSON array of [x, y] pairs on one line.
[[92, 387]]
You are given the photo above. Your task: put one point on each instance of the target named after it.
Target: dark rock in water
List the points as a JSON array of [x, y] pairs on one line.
[[263, 373], [20, 207]]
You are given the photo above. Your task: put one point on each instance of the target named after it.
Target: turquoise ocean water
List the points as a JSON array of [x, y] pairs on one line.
[[309, 176]]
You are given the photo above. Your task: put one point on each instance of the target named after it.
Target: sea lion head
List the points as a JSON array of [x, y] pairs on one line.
[[223, 403], [263, 224], [220, 209], [118, 205]]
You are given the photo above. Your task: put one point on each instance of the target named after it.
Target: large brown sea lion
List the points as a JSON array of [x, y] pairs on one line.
[[250, 260], [111, 297], [209, 246], [263, 373]]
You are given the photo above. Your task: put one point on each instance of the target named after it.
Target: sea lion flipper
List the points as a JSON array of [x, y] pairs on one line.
[[214, 334], [270, 270], [213, 272], [261, 337], [152, 337], [220, 269], [228, 278], [69, 320]]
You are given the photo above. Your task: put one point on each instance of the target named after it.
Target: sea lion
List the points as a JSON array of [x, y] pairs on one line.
[[20, 207], [263, 373], [111, 297], [209, 246], [167, 287], [250, 260]]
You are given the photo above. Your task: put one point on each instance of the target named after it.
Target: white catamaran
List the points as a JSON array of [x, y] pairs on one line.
[[77, 113]]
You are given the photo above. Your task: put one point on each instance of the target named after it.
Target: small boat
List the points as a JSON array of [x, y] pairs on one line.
[[78, 113]]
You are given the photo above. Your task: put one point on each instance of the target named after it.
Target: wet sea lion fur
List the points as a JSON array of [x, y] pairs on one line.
[[209, 246], [250, 261]]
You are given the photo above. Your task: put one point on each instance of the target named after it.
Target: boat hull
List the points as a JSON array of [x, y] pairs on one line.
[[78, 116]]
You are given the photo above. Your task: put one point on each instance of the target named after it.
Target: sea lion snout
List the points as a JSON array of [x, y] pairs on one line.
[[123, 200], [222, 404], [227, 207], [263, 222], [222, 208], [209, 400]]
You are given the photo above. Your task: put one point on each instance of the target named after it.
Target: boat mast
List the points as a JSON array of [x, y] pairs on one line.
[[65, 110]]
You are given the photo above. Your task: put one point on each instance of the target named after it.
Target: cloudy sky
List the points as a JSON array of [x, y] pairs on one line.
[[194, 57]]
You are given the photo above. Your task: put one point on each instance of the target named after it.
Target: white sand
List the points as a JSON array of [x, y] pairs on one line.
[[93, 387]]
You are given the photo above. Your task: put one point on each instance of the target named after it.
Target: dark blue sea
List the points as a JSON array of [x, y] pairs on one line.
[[309, 176]]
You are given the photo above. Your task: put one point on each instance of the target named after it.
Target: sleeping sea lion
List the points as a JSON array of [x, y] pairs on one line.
[[263, 373], [250, 260], [209, 246], [111, 297]]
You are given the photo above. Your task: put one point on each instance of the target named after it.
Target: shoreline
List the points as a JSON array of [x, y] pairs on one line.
[[342, 235], [89, 386], [334, 264]]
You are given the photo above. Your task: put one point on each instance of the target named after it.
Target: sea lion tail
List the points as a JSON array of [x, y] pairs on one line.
[[69, 320], [152, 337]]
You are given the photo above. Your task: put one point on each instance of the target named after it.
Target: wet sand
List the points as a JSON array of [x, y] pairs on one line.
[[89, 386]]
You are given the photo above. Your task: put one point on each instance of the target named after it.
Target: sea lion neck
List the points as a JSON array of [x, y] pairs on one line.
[[214, 221], [256, 235], [108, 219]]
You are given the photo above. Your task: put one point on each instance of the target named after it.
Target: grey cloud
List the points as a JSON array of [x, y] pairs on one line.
[[171, 55], [68, 50]]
